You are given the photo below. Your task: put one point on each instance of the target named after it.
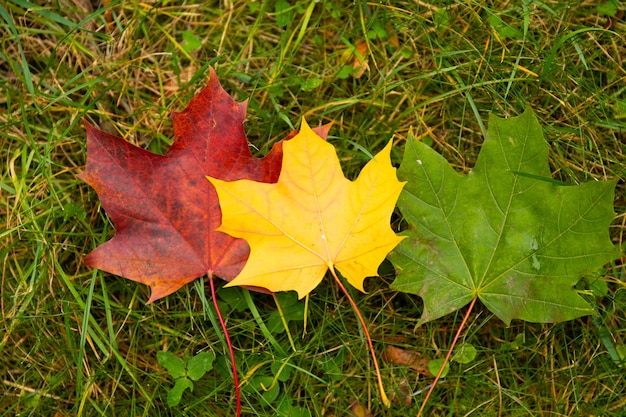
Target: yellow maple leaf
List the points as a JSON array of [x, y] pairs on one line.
[[313, 219]]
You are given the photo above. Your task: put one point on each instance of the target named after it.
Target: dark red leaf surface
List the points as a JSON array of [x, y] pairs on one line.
[[164, 210]]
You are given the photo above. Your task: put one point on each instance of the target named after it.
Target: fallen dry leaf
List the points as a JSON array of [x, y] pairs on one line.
[[414, 360], [359, 410]]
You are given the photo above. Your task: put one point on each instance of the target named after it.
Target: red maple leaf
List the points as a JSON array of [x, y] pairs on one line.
[[164, 210]]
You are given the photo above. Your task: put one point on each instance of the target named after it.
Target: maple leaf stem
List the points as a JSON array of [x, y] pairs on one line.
[[381, 387], [447, 358], [231, 352]]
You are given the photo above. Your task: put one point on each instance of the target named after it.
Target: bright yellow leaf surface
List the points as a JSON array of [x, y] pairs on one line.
[[313, 218]]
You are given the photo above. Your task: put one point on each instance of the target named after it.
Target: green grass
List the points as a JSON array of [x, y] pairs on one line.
[[74, 341]]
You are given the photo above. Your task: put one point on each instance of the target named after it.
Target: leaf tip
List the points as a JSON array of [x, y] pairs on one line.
[[304, 126]]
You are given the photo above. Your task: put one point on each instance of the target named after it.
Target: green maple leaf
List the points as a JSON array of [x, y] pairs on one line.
[[505, 233]]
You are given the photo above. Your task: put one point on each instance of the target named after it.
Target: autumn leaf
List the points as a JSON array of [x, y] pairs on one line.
[[411, 358], [505, 233], [164, 211], [358, 409], [313, 219], [356, 59]]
